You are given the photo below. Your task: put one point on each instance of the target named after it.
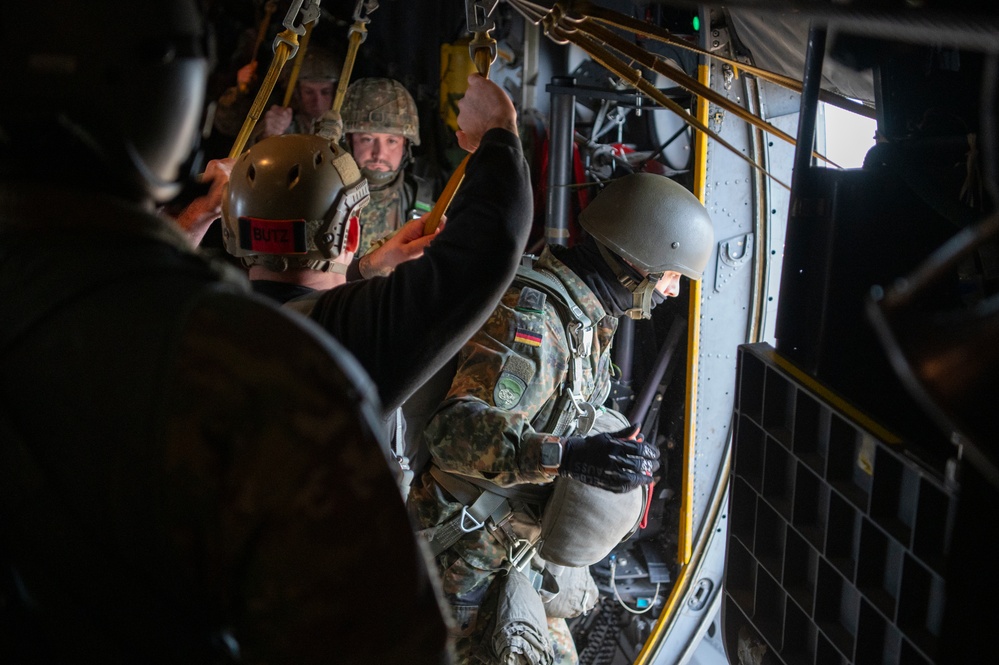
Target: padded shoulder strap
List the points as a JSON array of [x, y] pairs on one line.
[[565, 417]]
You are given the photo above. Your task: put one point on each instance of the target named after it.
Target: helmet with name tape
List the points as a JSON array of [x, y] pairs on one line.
[[292, 201]]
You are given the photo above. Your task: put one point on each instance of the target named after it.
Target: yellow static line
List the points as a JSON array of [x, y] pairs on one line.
[[296, 66], [281, 53], [693, 341]]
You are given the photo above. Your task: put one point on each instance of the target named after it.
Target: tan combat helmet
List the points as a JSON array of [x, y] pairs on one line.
[[320, 64], [380, 106], [289, 202], [653, 223]]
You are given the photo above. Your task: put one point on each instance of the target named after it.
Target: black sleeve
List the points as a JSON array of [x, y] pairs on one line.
[[403, 327]]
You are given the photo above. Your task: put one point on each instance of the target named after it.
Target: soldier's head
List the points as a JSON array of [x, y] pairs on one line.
[[654, 226], [102, 107], [293, 202], [317, 81], [381, 125]]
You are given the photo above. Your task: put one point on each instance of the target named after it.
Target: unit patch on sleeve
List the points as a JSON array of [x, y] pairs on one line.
[[512, 382]]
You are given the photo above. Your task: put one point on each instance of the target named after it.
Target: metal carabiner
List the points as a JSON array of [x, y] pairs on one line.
[[307, 11], [478, 15], [361, 18]]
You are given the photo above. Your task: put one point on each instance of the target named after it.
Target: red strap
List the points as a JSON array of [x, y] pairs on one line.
[[648, 504]]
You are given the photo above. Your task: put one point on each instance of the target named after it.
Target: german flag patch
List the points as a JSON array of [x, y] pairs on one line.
[[527, 337]]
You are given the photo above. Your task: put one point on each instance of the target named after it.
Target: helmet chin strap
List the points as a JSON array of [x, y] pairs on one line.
[[380, 179], [641, 291]]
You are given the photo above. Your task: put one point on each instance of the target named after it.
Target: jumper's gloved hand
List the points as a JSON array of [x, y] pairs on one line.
[[618, 462], [330, 126]]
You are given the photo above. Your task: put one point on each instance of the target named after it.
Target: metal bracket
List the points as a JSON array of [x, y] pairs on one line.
[[478, 15], [306, 11], [733, 253], [362, 16]]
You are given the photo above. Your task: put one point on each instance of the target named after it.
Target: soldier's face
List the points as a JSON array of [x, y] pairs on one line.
[[316, 97], [669, 284], [378, 152]]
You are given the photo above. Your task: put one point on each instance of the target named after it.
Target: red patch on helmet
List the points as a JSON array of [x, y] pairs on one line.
[[272, 236], [353, 234]]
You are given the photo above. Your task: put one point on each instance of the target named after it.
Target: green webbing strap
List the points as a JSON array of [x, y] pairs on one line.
[[423, 197], [474, 513], [574, 320]]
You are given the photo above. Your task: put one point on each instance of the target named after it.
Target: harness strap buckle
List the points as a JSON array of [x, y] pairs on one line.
[[468, 518], [520, 553]]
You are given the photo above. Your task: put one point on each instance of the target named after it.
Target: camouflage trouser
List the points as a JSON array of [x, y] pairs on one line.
[[468, 570], [467, 648], [466, 587]]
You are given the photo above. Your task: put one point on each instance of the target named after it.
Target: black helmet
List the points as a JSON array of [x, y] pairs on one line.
[[656, 225], [110, 92], [289, 201]]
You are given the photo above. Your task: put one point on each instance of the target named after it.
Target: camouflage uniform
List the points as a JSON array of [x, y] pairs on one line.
[[390, 207], [183, 463], [384, 106], [508, 380]]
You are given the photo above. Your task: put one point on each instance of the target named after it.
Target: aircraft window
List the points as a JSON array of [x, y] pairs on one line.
[[848, 136]]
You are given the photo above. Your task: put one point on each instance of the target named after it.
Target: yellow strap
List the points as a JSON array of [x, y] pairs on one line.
[[261, 32], [281, 54], [634, 78], [358, 33], [444, 200], [297, 65], [642, 29], [356, 37], [483, 57], [686, 82]]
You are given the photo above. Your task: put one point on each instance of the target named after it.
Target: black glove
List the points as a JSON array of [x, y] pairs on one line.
[[609, 461]]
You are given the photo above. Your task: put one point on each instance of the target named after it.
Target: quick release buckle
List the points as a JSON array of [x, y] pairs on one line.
[[518, 553]]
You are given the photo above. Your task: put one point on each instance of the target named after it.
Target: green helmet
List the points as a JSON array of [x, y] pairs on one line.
[[380, 106], [653, 223], [288, 203]]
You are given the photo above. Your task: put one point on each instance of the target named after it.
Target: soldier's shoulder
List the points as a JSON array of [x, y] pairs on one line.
[[256, 362], [267, 403]]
